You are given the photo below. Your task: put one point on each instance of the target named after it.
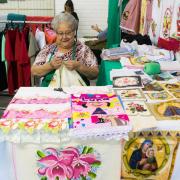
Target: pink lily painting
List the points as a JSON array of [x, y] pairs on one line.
[[71, 163]]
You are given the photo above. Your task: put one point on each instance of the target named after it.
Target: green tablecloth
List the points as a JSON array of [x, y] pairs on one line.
[[104, 72]]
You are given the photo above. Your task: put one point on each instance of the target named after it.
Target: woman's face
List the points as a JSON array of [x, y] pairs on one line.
[[68, 9], [65, 36]]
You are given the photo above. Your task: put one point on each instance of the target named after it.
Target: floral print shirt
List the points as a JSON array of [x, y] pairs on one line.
[[82, 54]]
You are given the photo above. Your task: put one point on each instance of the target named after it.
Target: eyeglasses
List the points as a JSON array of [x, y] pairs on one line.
[[68, 34]]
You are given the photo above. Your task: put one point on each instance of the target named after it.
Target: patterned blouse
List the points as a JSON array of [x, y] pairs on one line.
[[83, 54]]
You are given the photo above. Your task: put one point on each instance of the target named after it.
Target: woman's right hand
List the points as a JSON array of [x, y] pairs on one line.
[[96, 28], [55, 63]]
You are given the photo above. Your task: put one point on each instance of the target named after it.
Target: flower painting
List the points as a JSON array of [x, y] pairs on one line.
[[71, 163]]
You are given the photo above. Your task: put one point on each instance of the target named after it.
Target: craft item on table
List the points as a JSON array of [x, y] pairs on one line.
[[130, 94], [116, 53], [103, 114], [88, 110], [175, 93], [121, 72], [144, 77], [176, 164], [163, 76], [152, 68], [170, 66], [139, 61], [40, 93], [154, 86], [35, 111], [159, 96], [71, 160], [127, 82], [88, 90], [166, 110], [171, 86], [67, 161], [39, 100], [148, 158], [136, 108], [149, 52], [33, 125]]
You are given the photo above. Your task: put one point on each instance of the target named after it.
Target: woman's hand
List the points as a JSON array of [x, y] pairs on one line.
[[55, 63], [96, 28], [72, 64]]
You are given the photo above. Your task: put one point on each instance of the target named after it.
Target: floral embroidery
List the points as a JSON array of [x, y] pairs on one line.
[[75, 163]]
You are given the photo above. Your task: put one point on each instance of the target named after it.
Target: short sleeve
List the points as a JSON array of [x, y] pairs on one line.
[[89, 59], [42, 55]]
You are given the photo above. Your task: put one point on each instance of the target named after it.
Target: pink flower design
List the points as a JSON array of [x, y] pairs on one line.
[[81, 162], [67, 163], [56, 165]]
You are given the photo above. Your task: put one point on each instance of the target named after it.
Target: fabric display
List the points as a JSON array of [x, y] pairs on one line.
[[175, 26], [19, 46], [90, 115], [98, 112], [176, 173], [148, 157], [148, 52], [3, 25], [139, 38], [155, 26], [140, 115], [146, 16], [63, 161], [169, 25], [3, 77], [166, 19], [116, 53], [130, 19]]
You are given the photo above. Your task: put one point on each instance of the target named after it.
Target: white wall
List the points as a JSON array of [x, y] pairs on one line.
[[28, 7], [89, 12]]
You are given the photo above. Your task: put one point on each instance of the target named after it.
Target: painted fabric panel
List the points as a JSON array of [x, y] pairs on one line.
[[148, 158], [89, 160]]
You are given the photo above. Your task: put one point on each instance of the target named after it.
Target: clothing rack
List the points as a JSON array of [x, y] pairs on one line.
[[26, 22]]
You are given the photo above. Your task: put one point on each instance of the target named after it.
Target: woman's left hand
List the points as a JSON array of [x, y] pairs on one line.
[[72, 64]]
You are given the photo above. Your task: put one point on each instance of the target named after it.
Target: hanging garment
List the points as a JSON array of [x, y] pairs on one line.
[[23, 61], [130, 20], [16, 17], [146, 16], [3, 53], [3, 25], [3, 78], [50, 35], [166, 19], [175, 27], [33, 27], [165, 41], [12, 63], [32, 52], [155, 25], [40, 38]]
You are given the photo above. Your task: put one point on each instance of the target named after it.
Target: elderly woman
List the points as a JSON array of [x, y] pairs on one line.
[[66, 52]]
